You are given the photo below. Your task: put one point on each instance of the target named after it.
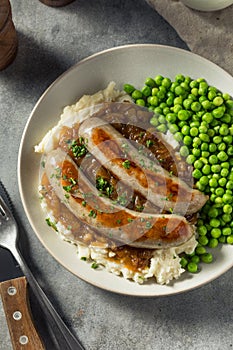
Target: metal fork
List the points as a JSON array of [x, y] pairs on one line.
[[9, 235]]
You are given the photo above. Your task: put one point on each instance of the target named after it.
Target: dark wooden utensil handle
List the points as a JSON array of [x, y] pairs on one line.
[[18, 315], [56, 3]]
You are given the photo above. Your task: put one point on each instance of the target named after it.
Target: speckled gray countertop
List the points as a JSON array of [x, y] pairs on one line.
[[50, 41]]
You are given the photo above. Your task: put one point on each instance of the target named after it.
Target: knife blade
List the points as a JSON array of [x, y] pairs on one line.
[[14, 293]]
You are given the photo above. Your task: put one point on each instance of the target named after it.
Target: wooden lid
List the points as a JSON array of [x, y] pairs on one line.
[[56, 3], [8, 43], [5, 12]]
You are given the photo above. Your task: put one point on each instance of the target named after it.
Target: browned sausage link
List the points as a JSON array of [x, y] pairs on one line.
[[116, 223], [146, 176], [70, 142], [133, 122]]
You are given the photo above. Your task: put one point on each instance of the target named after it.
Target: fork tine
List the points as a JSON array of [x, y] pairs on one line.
[[4, 210]]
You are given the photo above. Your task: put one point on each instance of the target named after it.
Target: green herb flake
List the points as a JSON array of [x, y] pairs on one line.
[[92, 213], [126, 164], [148, 224], [67, 188], [51, 224], [83, 258], [149, 143], [94, 265]]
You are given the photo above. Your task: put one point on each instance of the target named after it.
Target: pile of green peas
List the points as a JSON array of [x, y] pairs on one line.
[[200, 117]]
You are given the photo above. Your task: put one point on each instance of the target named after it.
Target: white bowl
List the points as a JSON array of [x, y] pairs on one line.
[[207, 5], [126, 64]]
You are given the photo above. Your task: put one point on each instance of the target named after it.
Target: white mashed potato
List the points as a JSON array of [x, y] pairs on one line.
[[164, 265]]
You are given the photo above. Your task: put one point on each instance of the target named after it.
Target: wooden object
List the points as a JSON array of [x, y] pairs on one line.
[[16, 306], [8, 36], [56, 3]]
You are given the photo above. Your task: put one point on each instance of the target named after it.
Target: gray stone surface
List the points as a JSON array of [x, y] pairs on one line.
[[50, 41]]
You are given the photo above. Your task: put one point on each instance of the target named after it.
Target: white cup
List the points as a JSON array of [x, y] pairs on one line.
[[207, 5]]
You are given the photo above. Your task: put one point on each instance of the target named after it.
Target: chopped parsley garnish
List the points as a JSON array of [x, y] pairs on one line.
[[51, 224], [92, 213], [149, 143], [126, 164], [148, 224], [83, 258], [94, 265], [104, 186], [78, 147], [67, 188]]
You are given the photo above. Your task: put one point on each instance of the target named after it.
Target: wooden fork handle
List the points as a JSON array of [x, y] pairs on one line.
[[18, 315]]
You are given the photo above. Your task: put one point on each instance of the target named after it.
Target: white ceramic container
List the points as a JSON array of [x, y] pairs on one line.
[[207, 5]]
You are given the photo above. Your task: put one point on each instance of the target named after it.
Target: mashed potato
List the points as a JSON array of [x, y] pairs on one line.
[[164, 265]]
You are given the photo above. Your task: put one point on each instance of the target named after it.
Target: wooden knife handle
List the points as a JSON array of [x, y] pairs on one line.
[[18, 315]]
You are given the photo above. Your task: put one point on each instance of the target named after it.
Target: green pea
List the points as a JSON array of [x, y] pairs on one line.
[[218, 112], [158, 79], [173, 128], [198, 164], [203, 240], [192, 267], [224, 172], [185, 130], [204, 180], [153, 100], [213, 212], [162, 128], [154, 121], [230, 239], [146, 90], [217, 139], [190, 159], [229, 185], [150, 82], [206, 169], [183, 262], [128, 88], [207, 258], [140, 102], [216, 168], [207, 117], [213, 243], [213, 182], [166, 82], [183, 114], [154, 91], [227, 217], [204, 137], [214, 222], [187, 140], [219, 191], [227, 209], [187, 103], [226, 231], [218, 101], [215, 232], [197, 174], [200, 250], [228, 139], [213, 159], [171, 117], [202, 230], [136, 94], [184, 151]]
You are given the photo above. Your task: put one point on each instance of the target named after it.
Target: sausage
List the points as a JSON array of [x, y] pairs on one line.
[[138, 171], [123, 225]]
